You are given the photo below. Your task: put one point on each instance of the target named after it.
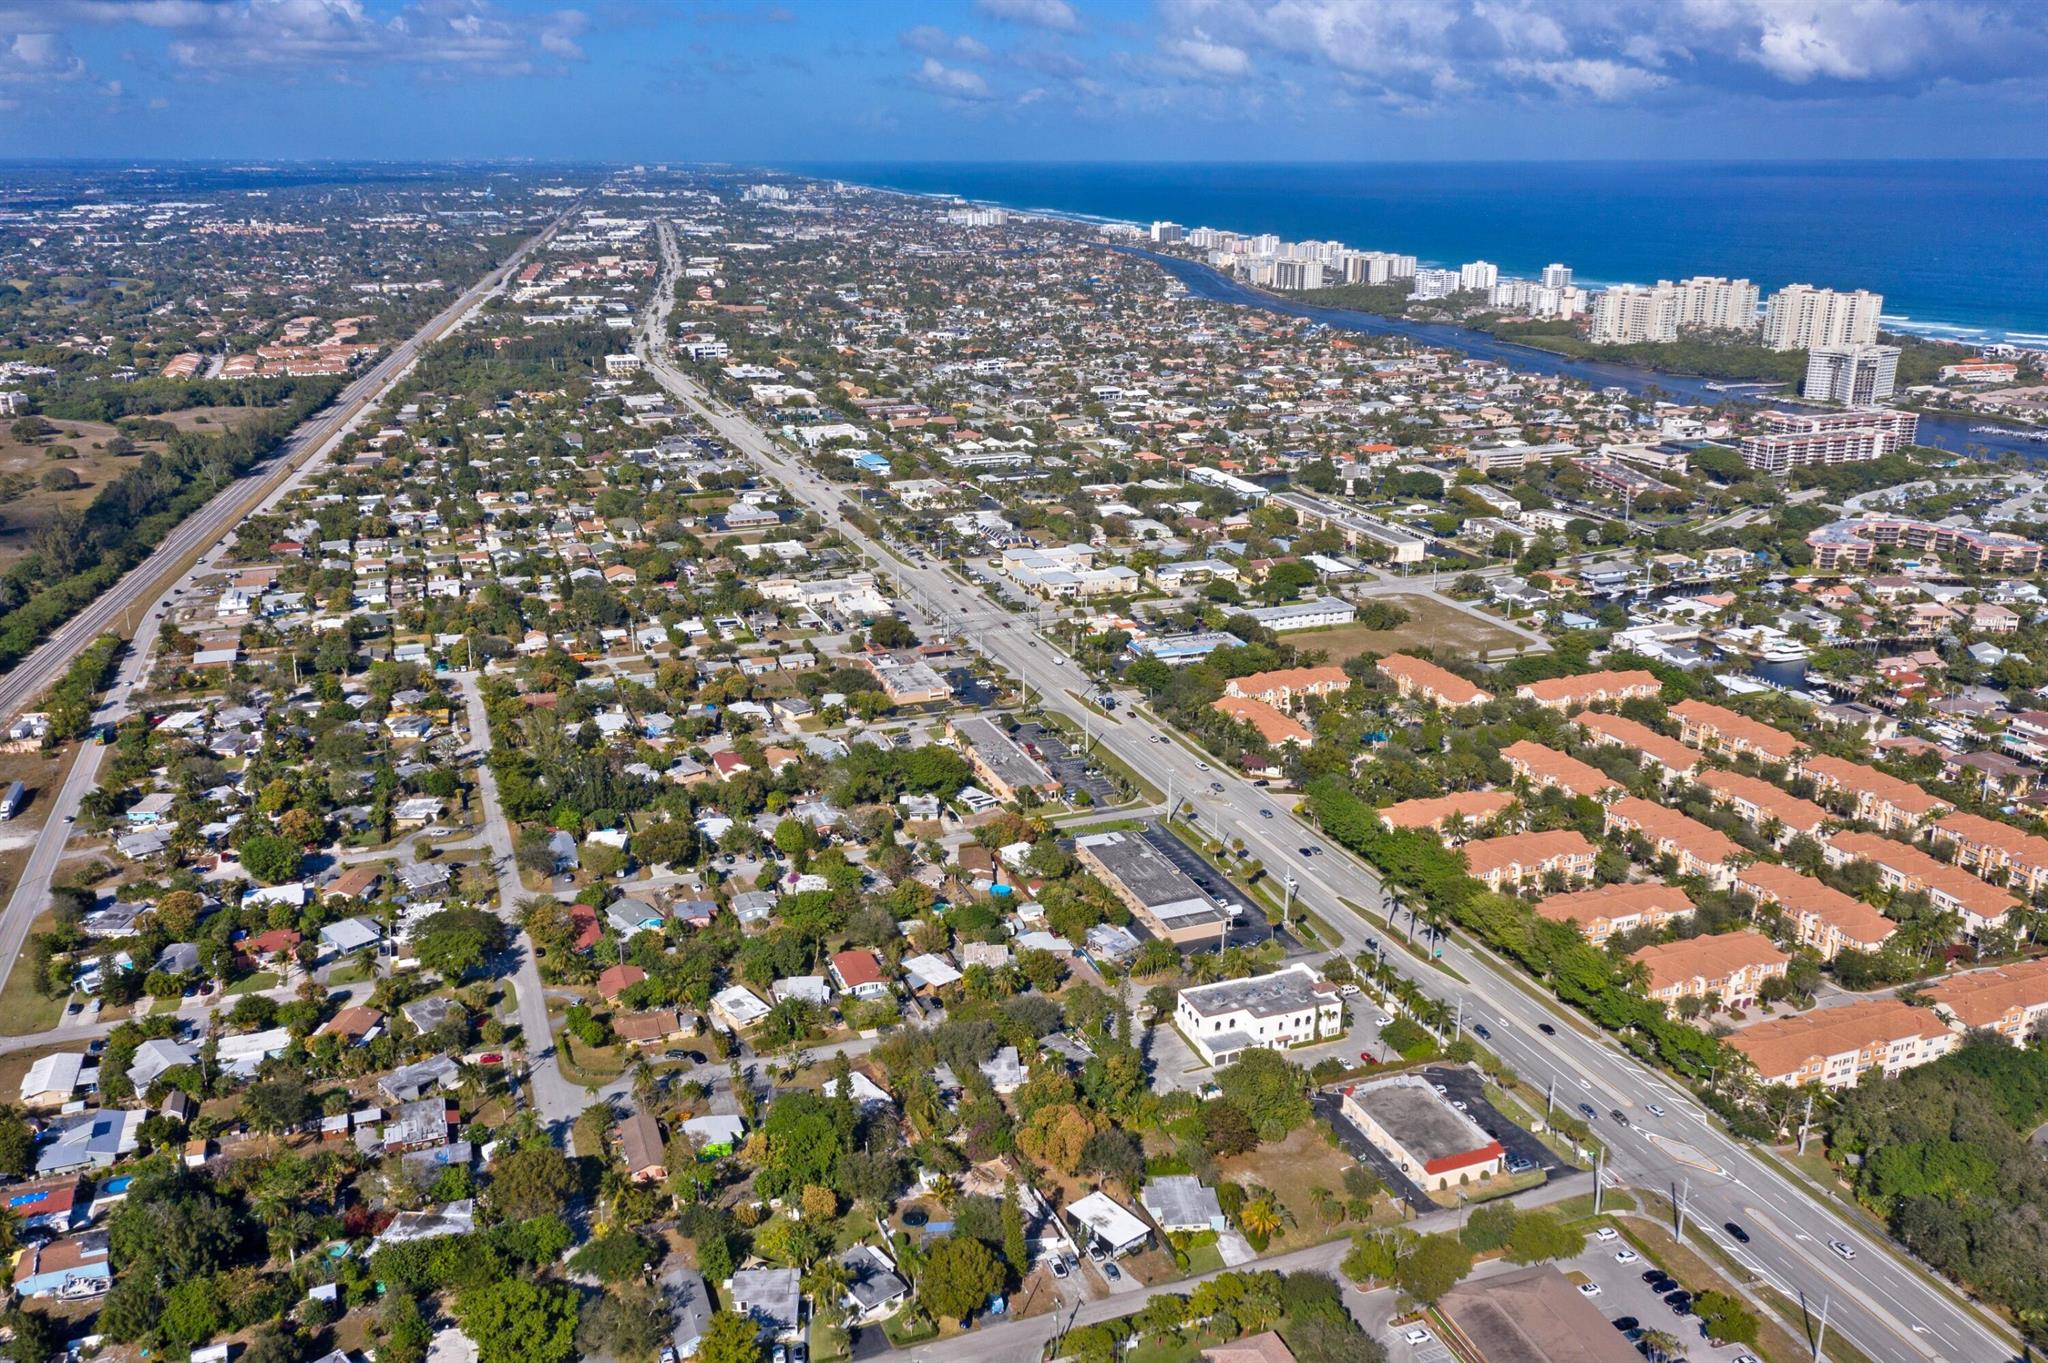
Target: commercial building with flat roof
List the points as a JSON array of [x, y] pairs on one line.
[[1164, 898], [1266, 1012], [1533, 1315], [1322, 613], [1427, 1139], [1004, 767]]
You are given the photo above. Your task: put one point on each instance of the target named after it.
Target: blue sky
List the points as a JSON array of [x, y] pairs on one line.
[[779, 81]]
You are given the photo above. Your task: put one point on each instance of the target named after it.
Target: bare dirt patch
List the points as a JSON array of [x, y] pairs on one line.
[[1432, 624]]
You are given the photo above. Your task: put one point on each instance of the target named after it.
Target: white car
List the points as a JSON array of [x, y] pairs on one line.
[[1418, 1335], [1607, 1233], [1843, 1248], [1656, 1110], [1626, 1256], [1384, 1020], [1589, 1289]]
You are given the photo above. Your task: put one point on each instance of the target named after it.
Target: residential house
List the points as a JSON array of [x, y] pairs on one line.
[[1510, 860], [1834, 1047], [1729, 965], [1604, 910], [1902, 867], [1821, 916], [1547, 768], [2009, 1000], [1894, 805], [1698, 850]]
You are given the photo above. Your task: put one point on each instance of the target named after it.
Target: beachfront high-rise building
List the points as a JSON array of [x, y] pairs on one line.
[[1297, 274], [1166, 233], [1557, 276], [1800, 317], [1478, 275], [1436, 283], [1629, 314], [1853, 375], [1711, 303]]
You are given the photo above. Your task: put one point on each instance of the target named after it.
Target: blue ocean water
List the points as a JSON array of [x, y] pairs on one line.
[[1956, 247]]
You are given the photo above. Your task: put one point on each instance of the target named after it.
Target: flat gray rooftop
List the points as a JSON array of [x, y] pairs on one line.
[[1001, 752], [1148, 873], [1263, 996], [1419, 1118]]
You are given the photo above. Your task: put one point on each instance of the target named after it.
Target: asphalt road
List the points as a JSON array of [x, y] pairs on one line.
[[1889, 1307], [142, 594]]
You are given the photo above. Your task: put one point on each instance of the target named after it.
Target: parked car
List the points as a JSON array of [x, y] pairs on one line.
[[1418, 1335], [1059, 1268], [1625, 1323], [1589, 1289], [1606, 1233], [1111, 1271], [1626, 1256]]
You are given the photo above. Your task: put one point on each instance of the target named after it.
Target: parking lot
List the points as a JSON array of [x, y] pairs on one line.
[[1622, 1295], [1249, 928], [1072, 770]]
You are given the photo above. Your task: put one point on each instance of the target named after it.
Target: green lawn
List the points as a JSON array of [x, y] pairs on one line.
[[254, 981], [23, 1008]]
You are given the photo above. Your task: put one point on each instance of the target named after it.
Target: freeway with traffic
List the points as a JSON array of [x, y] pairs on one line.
[[1891, 1308]]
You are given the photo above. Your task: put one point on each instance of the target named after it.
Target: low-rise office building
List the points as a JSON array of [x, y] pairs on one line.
[[1162, 896], [1432, 1143], [1289, 1007], [1001, 764]]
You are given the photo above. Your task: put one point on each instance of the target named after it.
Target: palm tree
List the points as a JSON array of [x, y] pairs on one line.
[[1658, 1346], [1261, 1216]]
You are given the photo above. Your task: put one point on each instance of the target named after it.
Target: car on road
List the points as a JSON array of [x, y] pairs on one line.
[[1201, 766], [1418, 1336], [1590, 1113], [1479, 1030], [1626, 1256], [1655, 1109], [1620, 1117], [1349, 991], [1735, 1232], [1843, 1248], [1384, 1020], [1589, 1289], [1546, 1029], [1265, 813], [1215, 787]]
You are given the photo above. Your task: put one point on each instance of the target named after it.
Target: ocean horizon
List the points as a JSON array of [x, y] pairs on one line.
[[1955, 247]]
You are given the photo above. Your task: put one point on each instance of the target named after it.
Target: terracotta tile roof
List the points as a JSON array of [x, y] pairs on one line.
[[1859, 779], [1984, 997], [1653, 898], [1712, 957], [1548, 766], [1733, 729], [1591, 686], [1782, 1046], [1986, 901], [1797, 894], [1447, 687], [1802, 816], [1682, 831], [1528, 850], [2029, 849], [1273, 726], [1641, 737], [1476, 805]]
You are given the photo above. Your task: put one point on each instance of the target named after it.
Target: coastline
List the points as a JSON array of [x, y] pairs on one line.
[[1924, 328]]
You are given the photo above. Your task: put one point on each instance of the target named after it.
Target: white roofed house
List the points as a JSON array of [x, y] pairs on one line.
[[1103, 1220], [52, 1080]]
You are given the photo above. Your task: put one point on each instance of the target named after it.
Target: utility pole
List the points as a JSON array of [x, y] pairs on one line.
[[1550, 1096], [1599, 1179], [1806, 1123], [1684, 1196], [1820, 1335]]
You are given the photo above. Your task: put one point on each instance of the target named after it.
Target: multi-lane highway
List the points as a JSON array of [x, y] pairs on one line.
[[145, 582], [147, 590], [1888, 1307]]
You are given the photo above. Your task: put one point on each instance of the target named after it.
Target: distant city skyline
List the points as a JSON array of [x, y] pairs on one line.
[[784, 80]]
